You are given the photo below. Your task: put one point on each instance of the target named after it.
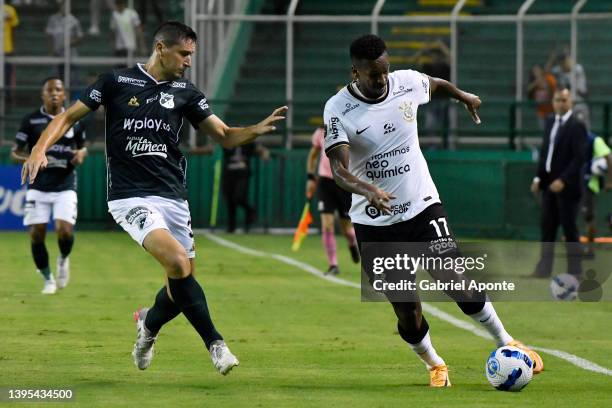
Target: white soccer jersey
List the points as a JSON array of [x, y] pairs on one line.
[[384, 146]]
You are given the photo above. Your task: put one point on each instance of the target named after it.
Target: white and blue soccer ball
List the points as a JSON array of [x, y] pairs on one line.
[[564, 287], [509, 369], [599, 166]]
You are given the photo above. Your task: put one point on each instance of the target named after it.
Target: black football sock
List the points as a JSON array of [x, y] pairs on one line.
[[163, 310], [65, 246], [189, 297], [41, 259], [413, 336]]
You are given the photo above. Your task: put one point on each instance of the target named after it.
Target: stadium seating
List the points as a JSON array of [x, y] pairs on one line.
[[487, 53], [31, 40], [487, 57]]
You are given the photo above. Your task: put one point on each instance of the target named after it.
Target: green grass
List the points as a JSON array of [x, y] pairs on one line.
[[302, 341]]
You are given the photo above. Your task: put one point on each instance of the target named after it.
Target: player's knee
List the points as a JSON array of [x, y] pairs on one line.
[[37, 235], [64, 232], [178, 266], [327, 226], [409, 313]]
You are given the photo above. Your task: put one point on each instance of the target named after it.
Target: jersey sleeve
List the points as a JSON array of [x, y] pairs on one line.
[[419, 82], [600, 148], [317, 138], [23, 134], [334, 135], [197, 108], [98, 93]]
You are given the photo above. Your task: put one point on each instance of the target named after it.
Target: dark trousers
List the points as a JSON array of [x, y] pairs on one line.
[[236, 190], [559, 209]]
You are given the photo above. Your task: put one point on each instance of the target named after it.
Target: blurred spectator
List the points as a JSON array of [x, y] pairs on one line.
[[597, 176], [542, 85], [56, 25], [142, 10], [94, 11], [11, 20], [562, 71], [126, 30], [236, 174], [434, 60]]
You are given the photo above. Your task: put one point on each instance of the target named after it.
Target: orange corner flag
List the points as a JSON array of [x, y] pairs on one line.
[[302, 229]]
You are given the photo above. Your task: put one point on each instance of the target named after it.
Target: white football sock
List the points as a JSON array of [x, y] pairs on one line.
[[426, 352], [488, 319]]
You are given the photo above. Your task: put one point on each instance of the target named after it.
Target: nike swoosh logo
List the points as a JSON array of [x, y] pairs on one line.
[[362, 130]]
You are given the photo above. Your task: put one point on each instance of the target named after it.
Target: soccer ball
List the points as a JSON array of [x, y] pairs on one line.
[[599, 166], [564, 287], [509, 369]]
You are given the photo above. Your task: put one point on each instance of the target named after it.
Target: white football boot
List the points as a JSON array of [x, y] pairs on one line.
[[63, 271], [143, 348], [50, 286], [222, 357]]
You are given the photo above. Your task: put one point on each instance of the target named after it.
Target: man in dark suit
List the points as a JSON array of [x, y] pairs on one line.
[[559, 179]]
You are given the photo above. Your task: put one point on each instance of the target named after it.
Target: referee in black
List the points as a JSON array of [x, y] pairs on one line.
[[559, 176]]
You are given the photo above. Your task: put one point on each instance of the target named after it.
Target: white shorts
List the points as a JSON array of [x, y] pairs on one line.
[[140, 215], [40, 204]]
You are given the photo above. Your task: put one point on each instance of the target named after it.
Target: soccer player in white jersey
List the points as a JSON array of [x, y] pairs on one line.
[[372, 144], [147, 175]]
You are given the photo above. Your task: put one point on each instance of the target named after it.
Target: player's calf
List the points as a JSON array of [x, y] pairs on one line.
[[41, 260]]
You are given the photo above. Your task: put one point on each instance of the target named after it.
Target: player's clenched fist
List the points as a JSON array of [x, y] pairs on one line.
[[472, 104], [379, 199]]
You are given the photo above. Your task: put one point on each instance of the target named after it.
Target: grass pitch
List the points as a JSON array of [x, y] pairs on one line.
[[301, 341]]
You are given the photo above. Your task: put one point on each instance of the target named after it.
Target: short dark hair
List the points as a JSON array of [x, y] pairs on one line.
[[172, 32], [368, 47], [51, 78]]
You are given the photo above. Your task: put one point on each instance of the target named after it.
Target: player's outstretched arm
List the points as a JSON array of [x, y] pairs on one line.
[[339, 161], [472, 102], [54, 131], [229, 137]]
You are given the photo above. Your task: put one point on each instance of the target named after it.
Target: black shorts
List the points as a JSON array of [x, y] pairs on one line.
[[429, 226], [332, 198]]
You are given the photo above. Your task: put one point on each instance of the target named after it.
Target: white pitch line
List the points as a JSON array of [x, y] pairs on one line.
[[440, 314]]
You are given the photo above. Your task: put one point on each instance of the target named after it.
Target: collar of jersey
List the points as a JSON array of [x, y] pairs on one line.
[[42, 111], [144, 71], [370, 101]]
